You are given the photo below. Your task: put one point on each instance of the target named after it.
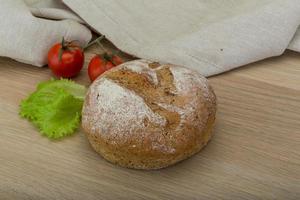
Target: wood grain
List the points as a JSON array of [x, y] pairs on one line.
[[254, 154]]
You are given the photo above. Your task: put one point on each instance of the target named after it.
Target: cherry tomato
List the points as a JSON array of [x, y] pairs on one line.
[[99, 64], [65, 59], [116, 60]]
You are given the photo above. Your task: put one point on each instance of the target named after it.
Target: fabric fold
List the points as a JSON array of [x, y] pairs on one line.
[[27, 39], [209, 36], [295, 43], [51, 9]]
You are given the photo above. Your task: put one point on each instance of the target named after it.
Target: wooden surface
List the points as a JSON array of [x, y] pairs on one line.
[[254, 154]]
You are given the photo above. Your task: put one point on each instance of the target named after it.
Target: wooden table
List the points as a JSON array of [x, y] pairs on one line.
[[255, 153]]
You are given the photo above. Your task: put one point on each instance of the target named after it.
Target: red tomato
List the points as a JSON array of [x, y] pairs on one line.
[[65, 59], [98, 65], [116, 60]]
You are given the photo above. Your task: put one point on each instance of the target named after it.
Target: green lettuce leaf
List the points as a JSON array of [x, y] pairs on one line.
[[78, 91], [55, 107]]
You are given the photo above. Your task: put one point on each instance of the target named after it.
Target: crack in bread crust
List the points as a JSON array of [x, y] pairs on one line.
[[150, 92]]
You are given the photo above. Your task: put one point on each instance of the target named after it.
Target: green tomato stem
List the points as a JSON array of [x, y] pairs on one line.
[[97, 40]]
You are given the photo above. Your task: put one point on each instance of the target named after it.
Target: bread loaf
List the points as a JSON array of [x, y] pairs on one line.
[[147, 115]]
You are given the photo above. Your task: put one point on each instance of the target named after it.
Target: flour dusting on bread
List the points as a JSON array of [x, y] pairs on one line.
[[186, 81], [142, 67], [117, 108]]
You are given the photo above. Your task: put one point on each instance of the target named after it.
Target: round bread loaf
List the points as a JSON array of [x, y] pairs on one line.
[[147, 115]]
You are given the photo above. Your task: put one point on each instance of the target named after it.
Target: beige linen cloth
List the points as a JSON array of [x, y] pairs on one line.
[[27, 38], [210, 36]]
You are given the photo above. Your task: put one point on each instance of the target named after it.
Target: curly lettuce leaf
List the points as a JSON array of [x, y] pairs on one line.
[[55, 107], [78, 91]]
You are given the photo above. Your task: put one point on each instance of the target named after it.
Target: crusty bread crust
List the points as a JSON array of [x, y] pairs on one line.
[[146, 115]]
